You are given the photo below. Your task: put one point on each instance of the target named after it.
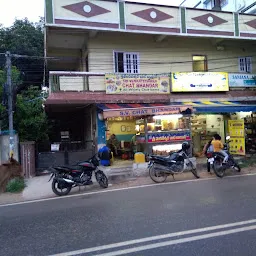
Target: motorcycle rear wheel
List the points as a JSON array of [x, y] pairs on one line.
[[102, 179], [157, 176], [61, 192], [218, 169]]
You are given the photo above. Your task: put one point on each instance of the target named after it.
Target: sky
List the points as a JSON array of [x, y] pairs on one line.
[[33, 9]]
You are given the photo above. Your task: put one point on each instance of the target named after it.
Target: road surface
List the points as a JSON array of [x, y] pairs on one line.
[[204, 217]]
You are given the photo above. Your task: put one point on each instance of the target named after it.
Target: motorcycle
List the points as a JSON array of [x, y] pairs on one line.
[[66, 178], [161, 167], [219, 167], [210, 160]]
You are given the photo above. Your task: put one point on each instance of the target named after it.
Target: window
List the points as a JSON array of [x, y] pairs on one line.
[[223, 3], [211, 4], [245, 64], [126, 62], [200, 63]]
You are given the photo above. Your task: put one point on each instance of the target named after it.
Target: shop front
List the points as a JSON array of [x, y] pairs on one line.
[[161, 128], [148, 128], [235, 119], [226, 117]]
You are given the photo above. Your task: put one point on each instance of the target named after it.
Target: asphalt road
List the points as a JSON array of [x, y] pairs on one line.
[[207, 217]]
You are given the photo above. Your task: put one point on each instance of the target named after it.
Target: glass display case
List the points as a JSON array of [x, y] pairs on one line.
[[163, 134]]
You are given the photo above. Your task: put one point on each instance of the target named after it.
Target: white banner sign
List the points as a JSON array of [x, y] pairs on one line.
[[242, 80], [200, 82]]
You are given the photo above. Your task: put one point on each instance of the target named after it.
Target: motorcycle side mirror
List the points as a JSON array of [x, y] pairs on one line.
[[228, 137]]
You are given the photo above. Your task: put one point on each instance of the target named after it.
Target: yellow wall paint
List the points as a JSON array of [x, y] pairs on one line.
[[114, 127], [174, 54]]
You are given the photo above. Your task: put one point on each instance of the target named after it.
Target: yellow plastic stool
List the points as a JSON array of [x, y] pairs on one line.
[[139, 158]]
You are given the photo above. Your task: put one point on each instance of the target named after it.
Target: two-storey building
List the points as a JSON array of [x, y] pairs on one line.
[[122, 68]]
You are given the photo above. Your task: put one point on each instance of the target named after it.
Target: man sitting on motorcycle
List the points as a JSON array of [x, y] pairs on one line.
[[218, 146]]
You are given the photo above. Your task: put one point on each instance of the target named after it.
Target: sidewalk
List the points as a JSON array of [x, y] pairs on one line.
[[40, 188]]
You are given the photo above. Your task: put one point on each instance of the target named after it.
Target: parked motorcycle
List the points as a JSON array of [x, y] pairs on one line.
[[66, 178], [219, 167], [161, 167]]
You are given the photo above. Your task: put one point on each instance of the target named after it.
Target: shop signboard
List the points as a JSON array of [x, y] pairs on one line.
[[200, 82], [242, 80], [147, 111], [169, 137], [137, 83], [237, 137]]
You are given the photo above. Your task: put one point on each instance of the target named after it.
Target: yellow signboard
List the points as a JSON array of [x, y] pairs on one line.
[[200, 82], [137, 83], [237, 140]]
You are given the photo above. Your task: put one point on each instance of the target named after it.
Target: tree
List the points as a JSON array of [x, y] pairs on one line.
[[30, 119], [25, 38]]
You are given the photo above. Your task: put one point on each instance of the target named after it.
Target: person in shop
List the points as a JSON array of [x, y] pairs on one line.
[[113, 144], [218, 146]]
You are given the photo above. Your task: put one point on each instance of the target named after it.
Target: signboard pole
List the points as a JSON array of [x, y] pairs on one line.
[[146, 135]]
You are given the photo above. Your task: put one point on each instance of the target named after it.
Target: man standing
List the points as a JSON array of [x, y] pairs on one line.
[[113, 144]]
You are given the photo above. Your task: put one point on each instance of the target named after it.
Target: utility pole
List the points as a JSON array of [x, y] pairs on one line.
[[10, 101]]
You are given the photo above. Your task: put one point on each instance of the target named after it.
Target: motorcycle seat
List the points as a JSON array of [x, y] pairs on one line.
[[217, 154]]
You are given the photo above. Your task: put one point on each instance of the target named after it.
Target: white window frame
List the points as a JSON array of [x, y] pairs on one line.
[[132, 67], [245, 64]]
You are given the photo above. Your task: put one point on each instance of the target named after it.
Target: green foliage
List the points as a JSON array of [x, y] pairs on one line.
[[15, 185], [30, 120], [25, 38]]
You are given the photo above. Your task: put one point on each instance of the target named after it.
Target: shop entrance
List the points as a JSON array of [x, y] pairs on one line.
[[204, 126]]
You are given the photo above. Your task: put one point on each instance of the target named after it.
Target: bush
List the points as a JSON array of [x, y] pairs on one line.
[[15, 185]]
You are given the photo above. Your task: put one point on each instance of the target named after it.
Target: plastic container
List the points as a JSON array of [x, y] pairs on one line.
[[139, 158]]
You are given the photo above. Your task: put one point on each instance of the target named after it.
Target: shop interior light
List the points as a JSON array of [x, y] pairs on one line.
[[176, 116]]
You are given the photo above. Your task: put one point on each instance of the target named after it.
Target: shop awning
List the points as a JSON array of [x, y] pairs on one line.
[[117, 110], [220, 106]]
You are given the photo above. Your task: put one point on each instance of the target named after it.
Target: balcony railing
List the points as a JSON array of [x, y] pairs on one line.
[[71, 81]]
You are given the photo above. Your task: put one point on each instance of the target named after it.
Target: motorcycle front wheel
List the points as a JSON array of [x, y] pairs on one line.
[[157, 176], [193, 170], [60, 188], [102, 179], [218, 169]]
